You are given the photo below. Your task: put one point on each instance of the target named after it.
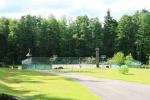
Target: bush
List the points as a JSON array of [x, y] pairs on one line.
[[128, 59], [89, 60], [147, 66], [149, 61], [124, 70], [59, 67], [118, 59]]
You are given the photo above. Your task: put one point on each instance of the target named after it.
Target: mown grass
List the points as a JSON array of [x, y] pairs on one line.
[[28, 85], [134, 75]]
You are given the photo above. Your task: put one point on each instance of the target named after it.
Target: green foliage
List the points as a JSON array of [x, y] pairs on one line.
[[143, 35], [79, 37], [126, 34], [89, 60], [28, 81], [138, 75], [118, 59], [128, 59], [97, 35], [3, 46], [149, 60], [147, 66], [4, 31], [83, 36], [124, 70], [109, 35]]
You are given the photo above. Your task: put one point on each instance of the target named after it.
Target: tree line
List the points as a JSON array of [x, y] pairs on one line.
[[75, 38]]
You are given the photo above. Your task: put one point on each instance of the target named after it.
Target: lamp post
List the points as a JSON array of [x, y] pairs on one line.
[[97, 57], [28, 57], [29, 54]]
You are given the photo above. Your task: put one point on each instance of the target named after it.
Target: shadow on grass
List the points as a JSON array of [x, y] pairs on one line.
[[22, 81], [129, 74], [77, 71], [44, 97], [10, 91], [19, 94], [29, 73], [18, 77], [86, 80], [15, 76]]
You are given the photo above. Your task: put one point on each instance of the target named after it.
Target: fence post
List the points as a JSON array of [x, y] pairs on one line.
[[79, 62]]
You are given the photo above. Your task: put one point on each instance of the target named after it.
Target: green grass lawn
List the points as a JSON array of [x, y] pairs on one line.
[[29, 85], [134, 75]]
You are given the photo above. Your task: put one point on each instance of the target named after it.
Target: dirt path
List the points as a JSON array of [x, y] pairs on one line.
[[109, 89]]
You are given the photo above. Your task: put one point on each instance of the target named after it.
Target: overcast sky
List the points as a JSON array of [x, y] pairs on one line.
[[72, 8]]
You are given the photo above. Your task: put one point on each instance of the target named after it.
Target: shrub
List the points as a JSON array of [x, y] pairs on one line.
[[128, 59], [149, 61], [89, 60], [124, 70], [146, 66], [118, 59], [59, 67]]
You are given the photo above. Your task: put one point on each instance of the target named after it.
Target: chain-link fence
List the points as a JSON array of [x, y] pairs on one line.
[[37, 63], [74, 62], [45, 63]]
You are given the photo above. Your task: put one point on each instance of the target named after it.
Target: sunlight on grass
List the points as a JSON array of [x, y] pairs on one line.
[[134, 75], [41, 86]]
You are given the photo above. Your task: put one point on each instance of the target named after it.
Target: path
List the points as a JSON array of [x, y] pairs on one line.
[[109, 89]]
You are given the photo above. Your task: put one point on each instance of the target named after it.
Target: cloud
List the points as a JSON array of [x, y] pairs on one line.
[[73, 8]]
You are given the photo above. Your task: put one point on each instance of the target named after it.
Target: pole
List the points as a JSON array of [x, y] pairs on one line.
[[97, 57]]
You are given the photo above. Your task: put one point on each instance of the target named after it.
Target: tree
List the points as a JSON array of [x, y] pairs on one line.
[[143, 36], [4, 26], [97, 35], [83, 36], [126, 35], [49, 36], [72, 38], [42, 38], [109, 37], [53, 36], [4, 32], [3, 47], [12, 42], [149, 60], [26, 34], [65, 37]]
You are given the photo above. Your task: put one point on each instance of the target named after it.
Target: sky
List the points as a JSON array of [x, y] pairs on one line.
[[71, 8]]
